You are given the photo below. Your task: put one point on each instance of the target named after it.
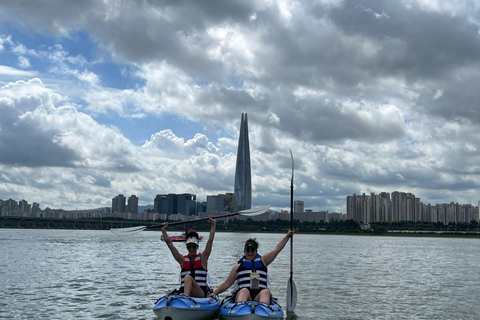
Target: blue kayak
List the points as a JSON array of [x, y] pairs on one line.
[[179, 307], [250, 310]]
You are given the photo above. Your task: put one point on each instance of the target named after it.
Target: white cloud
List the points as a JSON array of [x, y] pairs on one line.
[[9, 71], [88, 77], [23, 62], [5, 40], [372, 97]]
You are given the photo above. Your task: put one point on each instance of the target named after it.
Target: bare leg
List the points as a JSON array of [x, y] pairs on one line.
[[263, 296], [243, 295], [191, 287]]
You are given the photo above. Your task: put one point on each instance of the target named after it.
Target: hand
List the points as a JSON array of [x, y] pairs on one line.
[[164, 225], [212, 295], [290, 233], [212, 219]]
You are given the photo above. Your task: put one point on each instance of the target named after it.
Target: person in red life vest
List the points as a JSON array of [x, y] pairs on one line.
[[194, 277], [250, 273]]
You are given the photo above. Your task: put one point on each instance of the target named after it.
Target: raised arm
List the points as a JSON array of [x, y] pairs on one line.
[[227, 283], [170, 245], [269, 257], [208, 247]]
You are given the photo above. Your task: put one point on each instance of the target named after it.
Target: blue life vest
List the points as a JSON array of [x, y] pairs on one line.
[[246, 268]]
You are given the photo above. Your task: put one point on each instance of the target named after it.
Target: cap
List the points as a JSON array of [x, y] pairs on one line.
[[192, 240], [251, 245]]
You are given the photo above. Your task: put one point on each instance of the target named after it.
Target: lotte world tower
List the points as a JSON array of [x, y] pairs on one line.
[[243, 174]]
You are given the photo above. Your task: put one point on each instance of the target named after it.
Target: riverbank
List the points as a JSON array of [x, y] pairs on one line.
[[365, 234], [243, 226]]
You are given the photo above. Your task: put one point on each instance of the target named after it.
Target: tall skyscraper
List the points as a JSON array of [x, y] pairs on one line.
[[243, 174]]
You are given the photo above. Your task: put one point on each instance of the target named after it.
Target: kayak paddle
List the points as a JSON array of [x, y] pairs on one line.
[[291, 288], [133, 230]]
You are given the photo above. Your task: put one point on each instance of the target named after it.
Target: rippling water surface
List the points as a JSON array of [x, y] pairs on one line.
[[76, 274]]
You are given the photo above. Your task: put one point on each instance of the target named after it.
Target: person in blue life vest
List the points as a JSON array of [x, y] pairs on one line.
[[194, 278], [250, 273]]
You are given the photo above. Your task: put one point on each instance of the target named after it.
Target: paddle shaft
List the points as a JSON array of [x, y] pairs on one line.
[[291, 220], [291, 288], [195, 220]]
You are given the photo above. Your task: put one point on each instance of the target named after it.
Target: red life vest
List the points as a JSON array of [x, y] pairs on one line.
[[196, 270]]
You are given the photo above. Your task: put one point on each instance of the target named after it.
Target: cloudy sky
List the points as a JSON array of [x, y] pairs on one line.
[[100, 98]]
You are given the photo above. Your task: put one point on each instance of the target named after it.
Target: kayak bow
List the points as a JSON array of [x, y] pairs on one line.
[[174, 306], [250, 310]]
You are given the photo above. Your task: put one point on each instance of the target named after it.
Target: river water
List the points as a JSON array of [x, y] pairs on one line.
[[84, 274]]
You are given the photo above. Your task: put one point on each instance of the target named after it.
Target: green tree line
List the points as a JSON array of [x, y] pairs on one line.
[[249, 225], [334, 226], [382, 227]]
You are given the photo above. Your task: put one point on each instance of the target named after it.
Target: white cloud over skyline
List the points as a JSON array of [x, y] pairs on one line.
[[103, 98]]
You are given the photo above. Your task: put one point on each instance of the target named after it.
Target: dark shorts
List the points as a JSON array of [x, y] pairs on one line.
[[206, 290]]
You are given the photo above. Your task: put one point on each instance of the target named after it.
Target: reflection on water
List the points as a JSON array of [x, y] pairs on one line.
[[291, 315], [65, 274]]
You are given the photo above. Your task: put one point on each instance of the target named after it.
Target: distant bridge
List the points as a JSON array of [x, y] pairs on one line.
[[64, 223]]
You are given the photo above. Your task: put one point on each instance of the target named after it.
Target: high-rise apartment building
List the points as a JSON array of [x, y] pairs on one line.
[[157, 203], [298, 206], [215, 203], [24, 206], [118, 203], [186, 204], [243, 175], [224, 202], [172, 203], [405, 206], [132, 205]]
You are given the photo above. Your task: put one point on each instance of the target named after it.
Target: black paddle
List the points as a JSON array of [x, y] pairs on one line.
[[133, 230], [291, 288]]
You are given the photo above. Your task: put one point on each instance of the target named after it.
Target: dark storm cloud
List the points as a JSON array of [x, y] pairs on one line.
[[25, 147], [136, 31], [23, 143], [432, 42], [436, 48], [328, 122], [146, 31], [34, 133]]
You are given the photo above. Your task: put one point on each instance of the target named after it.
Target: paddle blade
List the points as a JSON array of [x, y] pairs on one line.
[[127, 231], [291, 295], [254, 211]]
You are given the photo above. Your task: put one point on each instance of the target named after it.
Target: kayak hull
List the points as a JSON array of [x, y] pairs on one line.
[[177, 307], [250, 310]]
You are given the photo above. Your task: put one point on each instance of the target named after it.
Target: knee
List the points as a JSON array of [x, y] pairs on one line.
[[188, 278], [265, 292], [242, 295], [244, 291], [263, 296]]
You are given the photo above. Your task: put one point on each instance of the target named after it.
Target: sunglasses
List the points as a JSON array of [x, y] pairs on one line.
[[191, 246], [250, 249]]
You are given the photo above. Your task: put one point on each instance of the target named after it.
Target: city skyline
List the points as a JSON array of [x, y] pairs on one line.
[[405, 206], [368, 95], [366, 208]]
